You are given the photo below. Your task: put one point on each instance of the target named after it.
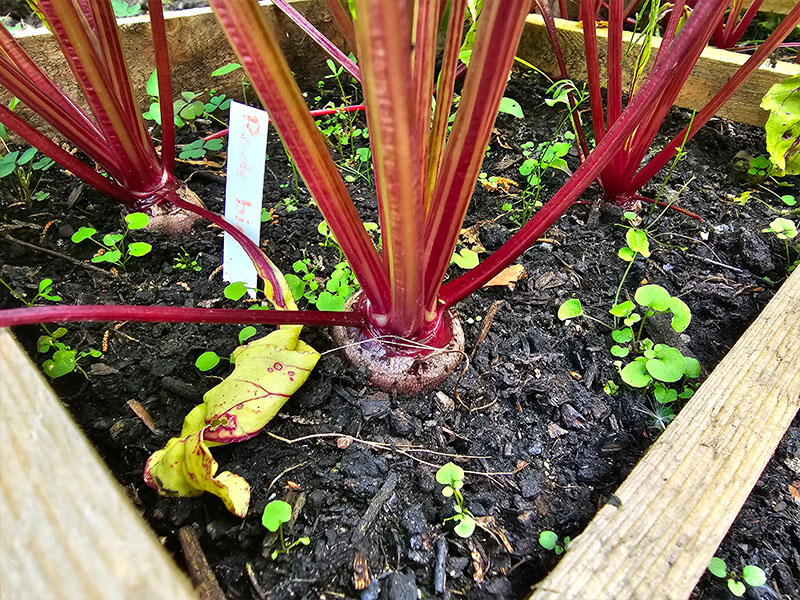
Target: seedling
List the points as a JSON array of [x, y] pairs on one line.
[[549, 541], [24, 167], [784, 229], [198, 148], [452, 478], [465, 259], [113, 248], [547, 155], [751, 575], [210, 359], [185, 262], [276, 513], [189, 107]]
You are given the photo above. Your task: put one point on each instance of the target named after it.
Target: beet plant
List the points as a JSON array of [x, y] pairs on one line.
[[400, 325], [624, 175]]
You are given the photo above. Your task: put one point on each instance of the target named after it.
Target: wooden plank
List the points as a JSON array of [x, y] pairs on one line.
[[67, 530], [197, 46], [713, 69], [778, 6], [680, 500]]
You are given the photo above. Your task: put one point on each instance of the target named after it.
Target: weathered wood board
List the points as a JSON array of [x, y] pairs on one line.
[[197, 47], [778, 6], [712, 71], [680, 500], [67, 530]]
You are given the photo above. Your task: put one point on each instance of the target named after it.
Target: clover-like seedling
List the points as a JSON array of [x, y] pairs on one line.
[[452, 478], [113, 247], [549, 541], [276, 513], [751, 575], [784, 229]]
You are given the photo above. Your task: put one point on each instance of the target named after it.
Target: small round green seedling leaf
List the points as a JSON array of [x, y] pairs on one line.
[[668, 364], [465, 527], [511, 107], [664, 395], [570, 309], [691, 367], [619, 351], [637, 241], [328, 301], [737, 588], [246, 333], [63, 362], [207, 361], [626, 254], [44, 284], [451, 475], [635, 374], [718, 568], [789, 200], [276, 513], [466, 259], [139, 248], [304, 540], [109, 257], [84, 233], [548, 539], [235, 290], [754, 575], [137, 220], [44, 343], [681, 315], [653, 296], [110, 239], [622, 336], [784, 229], [623, 309]]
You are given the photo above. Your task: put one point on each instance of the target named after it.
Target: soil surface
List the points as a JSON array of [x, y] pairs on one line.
[[542, 444]]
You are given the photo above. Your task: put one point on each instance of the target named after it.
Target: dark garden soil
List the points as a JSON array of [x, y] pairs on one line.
[[542, 444]]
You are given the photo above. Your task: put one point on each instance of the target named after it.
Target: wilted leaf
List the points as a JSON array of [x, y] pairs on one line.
[[267, 372]]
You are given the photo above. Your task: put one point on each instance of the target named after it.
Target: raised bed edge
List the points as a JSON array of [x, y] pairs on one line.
[[68, 529], [712, 71], [778, 6], [682, 497]]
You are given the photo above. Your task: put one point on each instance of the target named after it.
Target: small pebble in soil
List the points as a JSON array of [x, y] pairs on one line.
[[493, 236], [400, 587]]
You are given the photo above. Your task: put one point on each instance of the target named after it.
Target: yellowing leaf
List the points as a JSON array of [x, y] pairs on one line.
[[267, 372]]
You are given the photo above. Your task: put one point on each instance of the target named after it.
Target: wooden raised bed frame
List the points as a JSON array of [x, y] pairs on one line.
[[68, 529]]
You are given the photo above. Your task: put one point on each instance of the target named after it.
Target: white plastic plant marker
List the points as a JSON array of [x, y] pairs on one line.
[[247, 149]]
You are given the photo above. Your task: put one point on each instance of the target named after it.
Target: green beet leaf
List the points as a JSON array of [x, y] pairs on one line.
[[653, 296], [570, 309]]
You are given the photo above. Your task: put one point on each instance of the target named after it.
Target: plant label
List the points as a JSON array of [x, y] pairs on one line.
[[247, 148]]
